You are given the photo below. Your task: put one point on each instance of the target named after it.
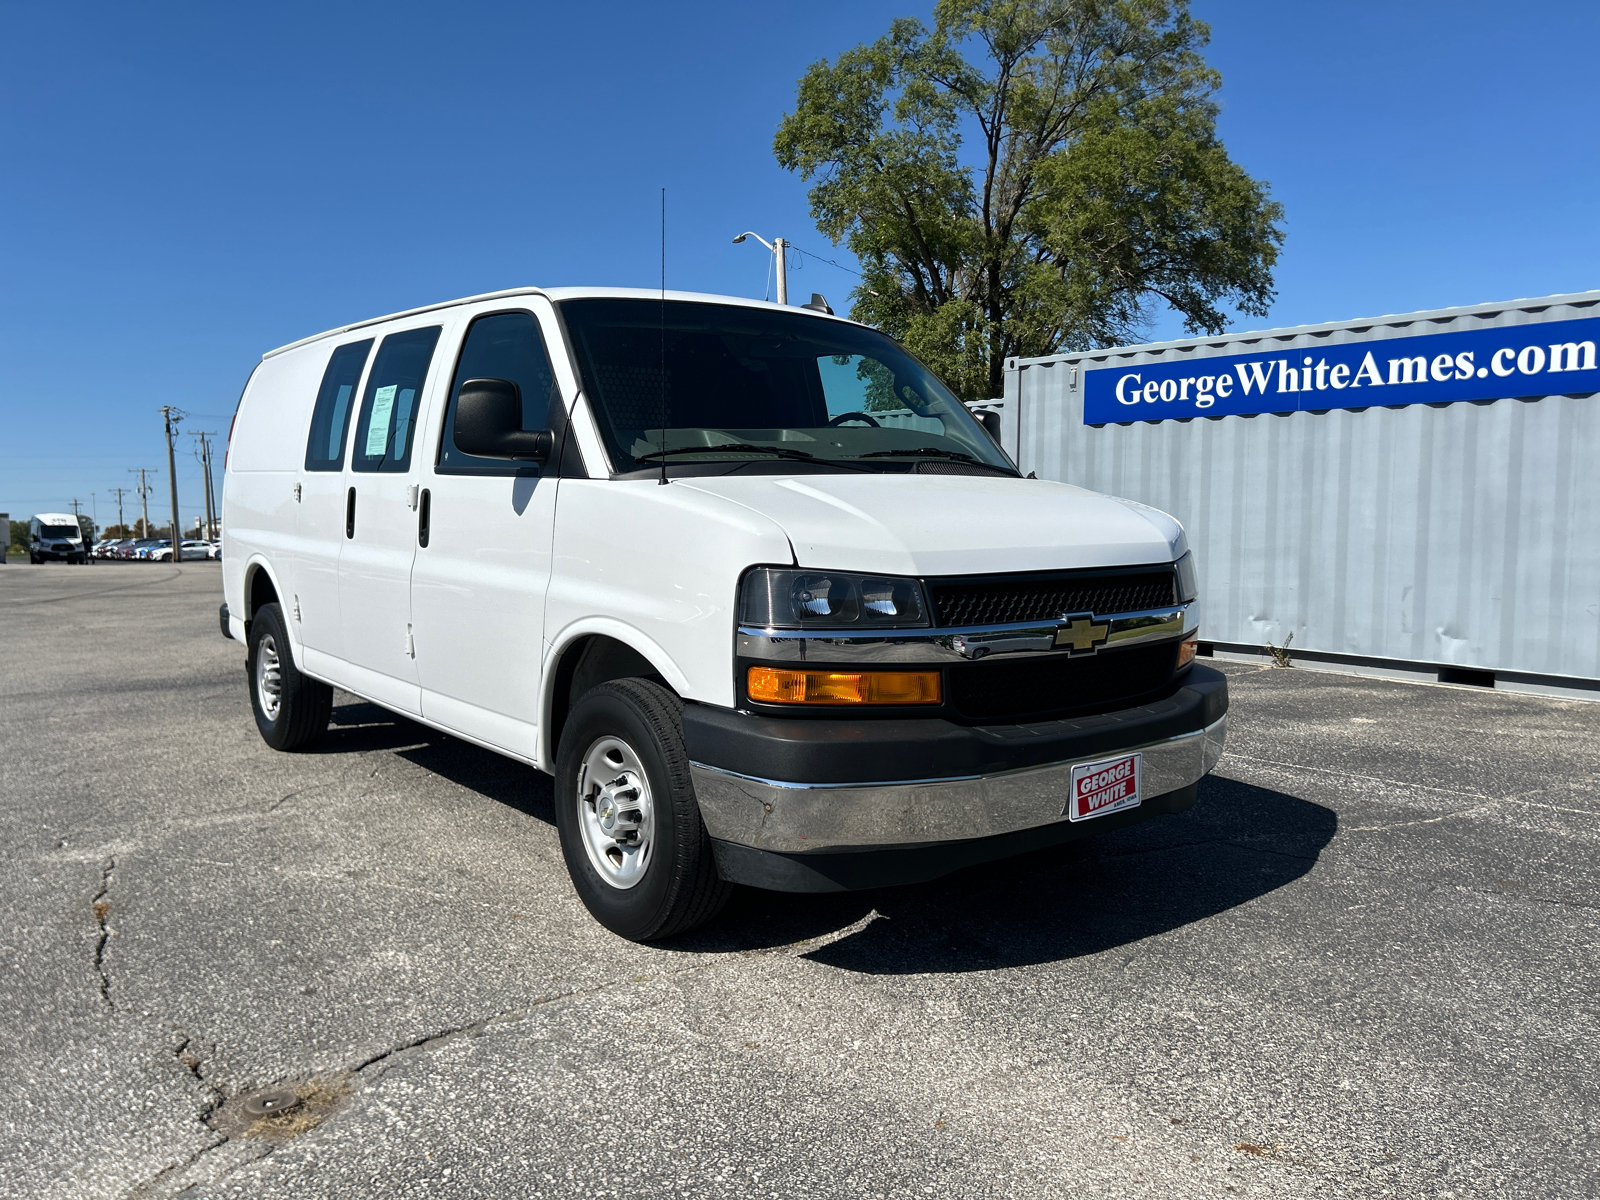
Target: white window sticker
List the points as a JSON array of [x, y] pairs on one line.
[[378, 431]]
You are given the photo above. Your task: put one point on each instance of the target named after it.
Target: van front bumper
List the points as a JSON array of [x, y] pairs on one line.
[[823, 805]]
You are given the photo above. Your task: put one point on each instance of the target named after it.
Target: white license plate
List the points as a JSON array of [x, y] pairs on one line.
[[1107, 786]]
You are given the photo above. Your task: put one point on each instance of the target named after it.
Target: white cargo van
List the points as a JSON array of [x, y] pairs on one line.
[[56, 537], [746, 579]]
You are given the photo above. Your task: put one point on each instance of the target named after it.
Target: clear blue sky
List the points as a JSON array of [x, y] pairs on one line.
[[186, 186]]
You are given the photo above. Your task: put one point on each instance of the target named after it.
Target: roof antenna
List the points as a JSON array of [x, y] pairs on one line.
[[664, 408]]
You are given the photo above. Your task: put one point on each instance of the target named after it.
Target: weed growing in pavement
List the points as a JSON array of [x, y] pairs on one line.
[[1280, 654]]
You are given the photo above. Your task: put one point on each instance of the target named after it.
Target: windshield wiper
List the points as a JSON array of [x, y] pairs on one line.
[[935, 452], [743, 447], [919, 450]]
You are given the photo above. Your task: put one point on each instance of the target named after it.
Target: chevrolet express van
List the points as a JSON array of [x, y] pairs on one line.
[[746, 579]]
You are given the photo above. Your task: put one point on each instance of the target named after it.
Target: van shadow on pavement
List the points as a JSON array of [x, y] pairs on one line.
[[358, 727], [1238, 842]]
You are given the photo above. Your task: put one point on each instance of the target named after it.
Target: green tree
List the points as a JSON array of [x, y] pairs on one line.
[[1029, 177]]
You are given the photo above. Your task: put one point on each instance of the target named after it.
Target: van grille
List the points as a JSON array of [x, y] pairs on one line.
[[1055, 686], [1003, 599]]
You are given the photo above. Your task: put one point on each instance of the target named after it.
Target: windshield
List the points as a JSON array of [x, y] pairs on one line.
[[59, 531], [749, 385]]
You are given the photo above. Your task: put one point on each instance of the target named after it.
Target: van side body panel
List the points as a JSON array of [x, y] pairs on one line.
[[656, 568], [264, 458]]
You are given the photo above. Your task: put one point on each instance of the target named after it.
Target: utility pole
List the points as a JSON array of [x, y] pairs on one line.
[[204, 454], [144, 497], [170, 415], [122, 525], [779, 248]]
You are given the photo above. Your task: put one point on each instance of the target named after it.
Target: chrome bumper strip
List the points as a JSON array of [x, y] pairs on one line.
[[791, 817], [958, 644]]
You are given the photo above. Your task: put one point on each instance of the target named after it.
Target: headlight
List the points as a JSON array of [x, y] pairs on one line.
[[777, 599], [1188, 582]]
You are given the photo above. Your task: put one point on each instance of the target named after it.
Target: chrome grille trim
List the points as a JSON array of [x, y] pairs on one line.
[[964, 644]]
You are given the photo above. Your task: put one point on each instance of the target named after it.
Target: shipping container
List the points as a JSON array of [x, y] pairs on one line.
[[1415, 495]]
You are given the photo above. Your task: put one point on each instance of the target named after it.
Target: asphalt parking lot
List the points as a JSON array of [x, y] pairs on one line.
[[1363, 965]]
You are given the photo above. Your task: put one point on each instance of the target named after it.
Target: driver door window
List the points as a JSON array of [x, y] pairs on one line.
[[510, 346]]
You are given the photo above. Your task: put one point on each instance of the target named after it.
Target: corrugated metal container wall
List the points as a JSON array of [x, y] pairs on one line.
[[1461, 534]]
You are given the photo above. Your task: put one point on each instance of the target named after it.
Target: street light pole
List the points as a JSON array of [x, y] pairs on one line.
[[778, 247]]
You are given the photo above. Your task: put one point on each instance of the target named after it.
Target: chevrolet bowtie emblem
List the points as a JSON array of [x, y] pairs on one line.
[[1081, 633]]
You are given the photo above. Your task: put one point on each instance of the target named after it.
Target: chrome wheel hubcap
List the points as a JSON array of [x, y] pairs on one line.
[[269, 677], [615, 812]]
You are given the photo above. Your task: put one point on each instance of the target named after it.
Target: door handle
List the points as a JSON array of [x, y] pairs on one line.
[[350, 513], [424, 511]]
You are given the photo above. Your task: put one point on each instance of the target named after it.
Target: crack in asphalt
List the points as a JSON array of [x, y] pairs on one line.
[[429, 1041], [377, 1063], [1532, 899], [191, 1065], [278, 803], [101, 908]]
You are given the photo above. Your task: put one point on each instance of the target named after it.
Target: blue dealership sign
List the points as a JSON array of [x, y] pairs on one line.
[[1546, 358]]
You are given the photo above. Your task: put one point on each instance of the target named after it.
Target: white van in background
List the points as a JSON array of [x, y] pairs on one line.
[[56, 537], [746, 579]]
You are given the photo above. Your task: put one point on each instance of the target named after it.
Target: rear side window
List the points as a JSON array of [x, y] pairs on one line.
[[389, 402], [331, 419], [510, 346]]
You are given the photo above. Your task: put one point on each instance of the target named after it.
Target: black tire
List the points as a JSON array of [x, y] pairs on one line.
[[304, 705], [678, 888]]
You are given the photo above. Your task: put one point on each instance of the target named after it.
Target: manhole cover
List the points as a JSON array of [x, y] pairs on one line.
[[270, 1104]]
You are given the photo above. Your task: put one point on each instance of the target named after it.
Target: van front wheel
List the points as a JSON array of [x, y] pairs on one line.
[[291, 710], [631, 833]]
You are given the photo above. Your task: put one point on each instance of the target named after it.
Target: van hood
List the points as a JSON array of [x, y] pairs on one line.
[[950, 524]]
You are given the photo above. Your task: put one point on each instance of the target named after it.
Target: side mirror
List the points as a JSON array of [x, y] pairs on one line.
[[489, 423], [990, 420]]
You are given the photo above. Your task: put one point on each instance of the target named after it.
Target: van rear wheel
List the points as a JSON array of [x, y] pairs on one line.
[[637, 851], [291, 710]]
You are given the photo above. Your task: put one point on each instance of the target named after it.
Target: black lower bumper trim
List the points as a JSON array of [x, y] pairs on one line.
[[863, 750], [877, 866]]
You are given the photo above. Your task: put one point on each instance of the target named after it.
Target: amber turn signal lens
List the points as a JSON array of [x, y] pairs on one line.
[[778, 685], [1187, 649]]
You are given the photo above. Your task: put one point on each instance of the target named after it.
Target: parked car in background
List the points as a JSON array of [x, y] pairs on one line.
[[189, 550], [150, 549]]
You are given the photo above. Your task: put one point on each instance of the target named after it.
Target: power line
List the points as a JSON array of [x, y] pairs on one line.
[[829, 261]]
